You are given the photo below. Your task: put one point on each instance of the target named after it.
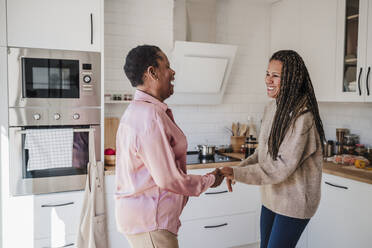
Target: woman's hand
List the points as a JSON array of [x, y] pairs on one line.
[[218, 177], [228, 172]]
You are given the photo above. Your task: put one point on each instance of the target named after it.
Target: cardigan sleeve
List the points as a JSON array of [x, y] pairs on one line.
[[298, 144]]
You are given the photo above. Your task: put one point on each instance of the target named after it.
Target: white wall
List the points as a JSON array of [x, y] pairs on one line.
[[129, 23], [355, 116]]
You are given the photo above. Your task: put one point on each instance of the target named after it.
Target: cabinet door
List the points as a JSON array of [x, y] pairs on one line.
[[351, 50], [309, 28], [317, 40], [2, 23], [343, 218], [57, 24], [368, 79]]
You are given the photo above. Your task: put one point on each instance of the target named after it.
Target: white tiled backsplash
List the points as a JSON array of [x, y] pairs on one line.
[[245, 94]]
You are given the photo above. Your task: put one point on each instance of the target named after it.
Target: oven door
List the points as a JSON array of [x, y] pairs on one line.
[[24, 182]]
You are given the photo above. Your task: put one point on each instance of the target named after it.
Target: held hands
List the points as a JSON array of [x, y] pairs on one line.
[[228, 172], [218, 177]]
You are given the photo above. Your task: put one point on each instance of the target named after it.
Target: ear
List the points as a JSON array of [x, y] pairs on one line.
[[151, 73]]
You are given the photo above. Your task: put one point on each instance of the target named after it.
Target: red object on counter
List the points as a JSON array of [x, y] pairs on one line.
[[110, 151]]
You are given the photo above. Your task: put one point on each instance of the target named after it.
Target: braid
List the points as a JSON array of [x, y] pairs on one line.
[[296, 97]]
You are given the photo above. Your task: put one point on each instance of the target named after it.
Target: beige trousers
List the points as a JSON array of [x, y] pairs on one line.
[[154, 239]]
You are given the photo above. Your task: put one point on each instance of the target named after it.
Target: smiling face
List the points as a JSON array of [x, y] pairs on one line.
[[164, 76], [272, 79]]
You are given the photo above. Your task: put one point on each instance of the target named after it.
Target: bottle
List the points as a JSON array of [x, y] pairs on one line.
[[251, 144], [252, 128]]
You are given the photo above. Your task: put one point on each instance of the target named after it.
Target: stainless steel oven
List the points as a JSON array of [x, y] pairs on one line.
[[52, 89], [45, 77], [25, 182]]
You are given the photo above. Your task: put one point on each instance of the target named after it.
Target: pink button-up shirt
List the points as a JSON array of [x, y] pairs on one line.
[[152, 185]]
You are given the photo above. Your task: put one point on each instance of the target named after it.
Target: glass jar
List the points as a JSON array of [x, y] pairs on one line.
[[360, 149]]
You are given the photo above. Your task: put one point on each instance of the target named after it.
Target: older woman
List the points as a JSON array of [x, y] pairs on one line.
[[152, 186], [288, 161]]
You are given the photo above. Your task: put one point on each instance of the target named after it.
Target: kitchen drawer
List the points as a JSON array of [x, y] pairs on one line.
[[110, 211], [57, 215], [225, 231], [68, 241], [110, 184], [218, 202]]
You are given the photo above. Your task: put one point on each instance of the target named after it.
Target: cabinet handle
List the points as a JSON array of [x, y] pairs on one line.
[[218, 192], [66, 245], [224, 224], [91, 28], [360, 74], [56, 205], [369, 69], [337, 186]]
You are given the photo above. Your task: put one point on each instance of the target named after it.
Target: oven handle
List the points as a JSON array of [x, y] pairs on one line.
[[56, 205], [77, 130]]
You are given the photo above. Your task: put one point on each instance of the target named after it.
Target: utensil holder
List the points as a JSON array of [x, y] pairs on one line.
[[237, 142]]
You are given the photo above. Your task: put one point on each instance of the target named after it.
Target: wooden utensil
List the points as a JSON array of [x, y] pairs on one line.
[[243, 129], [234, 129]]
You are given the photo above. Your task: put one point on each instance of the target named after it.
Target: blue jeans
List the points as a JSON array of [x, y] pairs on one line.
[[279, 231]]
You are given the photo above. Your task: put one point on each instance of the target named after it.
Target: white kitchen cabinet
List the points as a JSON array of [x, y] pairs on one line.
[[309, 28], [69, 241], [2, 23], [219, 232], [354, 51], [55, 24], [57, 215], [115, 238], [343, 218], [221, 219]]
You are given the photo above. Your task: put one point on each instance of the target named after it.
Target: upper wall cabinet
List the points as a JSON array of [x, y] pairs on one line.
[[309, 27], [2, 23], [55, 24], [354, 51], [333, 39]]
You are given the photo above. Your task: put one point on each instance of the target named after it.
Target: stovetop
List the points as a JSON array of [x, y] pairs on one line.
[[194, 158]]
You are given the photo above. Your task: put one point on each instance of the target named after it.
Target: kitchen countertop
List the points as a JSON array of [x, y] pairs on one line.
[[349, 172]]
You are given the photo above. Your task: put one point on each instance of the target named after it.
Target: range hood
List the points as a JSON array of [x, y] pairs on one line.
[[202, 72]]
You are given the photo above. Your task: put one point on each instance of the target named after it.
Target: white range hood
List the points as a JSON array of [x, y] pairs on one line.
[[202, 72]]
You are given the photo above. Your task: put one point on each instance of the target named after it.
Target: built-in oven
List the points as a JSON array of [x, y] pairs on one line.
[[59, 90], [24, 181], [45, 77]]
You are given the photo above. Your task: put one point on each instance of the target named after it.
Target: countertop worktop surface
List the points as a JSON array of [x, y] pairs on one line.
[[349, 172]]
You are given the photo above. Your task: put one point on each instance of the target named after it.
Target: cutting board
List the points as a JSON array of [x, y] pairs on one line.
[[111, 127]]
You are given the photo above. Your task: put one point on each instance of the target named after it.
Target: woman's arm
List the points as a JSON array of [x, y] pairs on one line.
[[299, 143]]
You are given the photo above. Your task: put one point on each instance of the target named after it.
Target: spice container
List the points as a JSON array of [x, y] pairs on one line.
[[329, 148], [338, 148], [360, 149], [107, 97], [340, 134]]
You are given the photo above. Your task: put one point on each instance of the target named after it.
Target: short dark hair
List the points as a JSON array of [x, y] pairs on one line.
[[138, 60]]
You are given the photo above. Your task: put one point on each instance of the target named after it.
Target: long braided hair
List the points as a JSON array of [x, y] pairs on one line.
[[296, 97]]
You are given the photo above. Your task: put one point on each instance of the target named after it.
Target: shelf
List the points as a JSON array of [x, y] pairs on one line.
[[117, 101]]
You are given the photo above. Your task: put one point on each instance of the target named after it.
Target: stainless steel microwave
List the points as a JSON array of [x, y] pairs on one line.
[[53, 78]]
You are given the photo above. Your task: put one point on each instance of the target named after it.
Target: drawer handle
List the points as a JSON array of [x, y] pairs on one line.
[[335, 185], [218, 192], [67, 245], [224, 224], [360, 74], [56, 205]]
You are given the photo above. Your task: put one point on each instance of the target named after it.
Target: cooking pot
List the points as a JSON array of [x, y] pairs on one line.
[[206, 150]]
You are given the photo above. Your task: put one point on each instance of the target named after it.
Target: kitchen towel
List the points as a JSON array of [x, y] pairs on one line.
[[49, 148]]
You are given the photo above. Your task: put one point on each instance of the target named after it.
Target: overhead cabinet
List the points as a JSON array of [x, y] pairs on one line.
[[55, 24], [354, 51], [2, 23], [333, 39]]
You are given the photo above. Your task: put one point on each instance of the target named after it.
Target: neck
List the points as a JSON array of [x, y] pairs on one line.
[[150, 91]]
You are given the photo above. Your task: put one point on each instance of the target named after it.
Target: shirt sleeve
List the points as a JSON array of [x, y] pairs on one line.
[[299, 143], [159, 158], [250, 160]]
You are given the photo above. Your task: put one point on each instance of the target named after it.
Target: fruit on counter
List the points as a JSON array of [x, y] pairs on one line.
[[110, 151]]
